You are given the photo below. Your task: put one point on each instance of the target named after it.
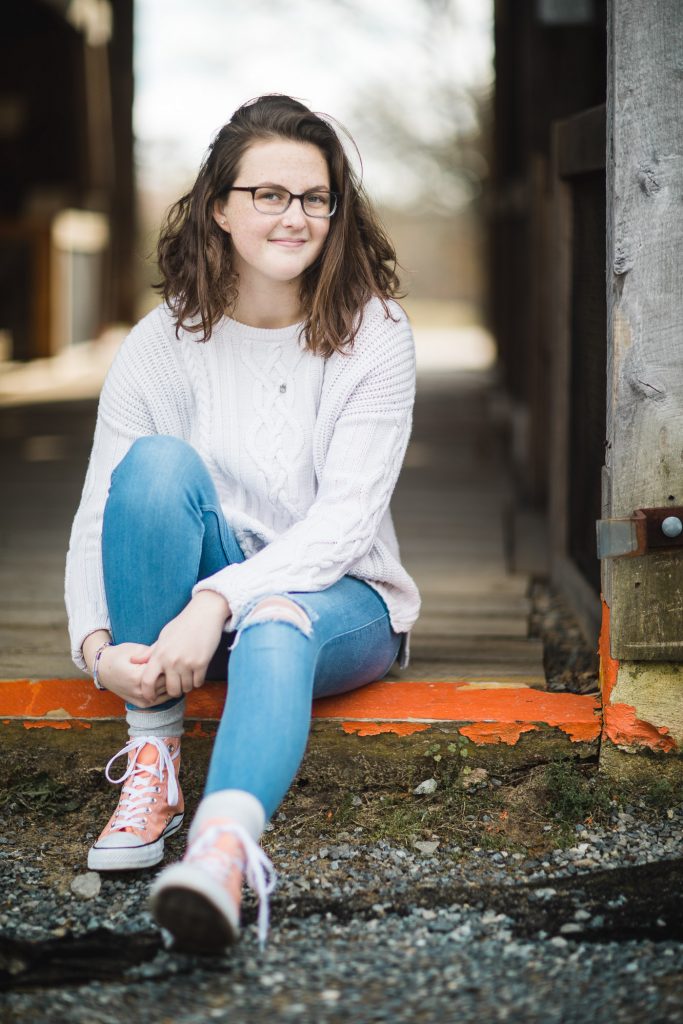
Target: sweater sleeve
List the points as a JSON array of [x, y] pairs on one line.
[[371, 399], [130, 406]]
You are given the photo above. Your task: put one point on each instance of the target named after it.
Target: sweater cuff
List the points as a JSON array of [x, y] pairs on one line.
[[78, 638], [210, 583]]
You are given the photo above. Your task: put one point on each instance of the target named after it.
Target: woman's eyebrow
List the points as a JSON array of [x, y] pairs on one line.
[[311, 188]]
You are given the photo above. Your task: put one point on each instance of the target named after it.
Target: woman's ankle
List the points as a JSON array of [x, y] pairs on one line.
[[235, 805], [162, 721]]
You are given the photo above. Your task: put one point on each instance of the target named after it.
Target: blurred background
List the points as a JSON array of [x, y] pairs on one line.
[[107, 110], [481, 125], [411, 80]]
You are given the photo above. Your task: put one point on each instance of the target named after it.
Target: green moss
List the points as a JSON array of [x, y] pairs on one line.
[[659, 795], [400, 820], [345, 812], [573, 795]]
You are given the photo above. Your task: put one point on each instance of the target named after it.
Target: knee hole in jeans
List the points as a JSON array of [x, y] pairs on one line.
[[279, 608], [276, 609]]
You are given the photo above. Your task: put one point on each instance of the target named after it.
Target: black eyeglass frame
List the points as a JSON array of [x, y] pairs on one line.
[[292, 195]]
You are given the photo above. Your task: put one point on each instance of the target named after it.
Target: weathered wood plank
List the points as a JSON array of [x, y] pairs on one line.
[[485, 583], [475, 604], [493, 651], [463, 625], [645, 314]]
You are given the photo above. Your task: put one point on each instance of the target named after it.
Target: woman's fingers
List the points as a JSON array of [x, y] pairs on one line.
[[149, 680], [187, 680], [174, 684], [179, 674]]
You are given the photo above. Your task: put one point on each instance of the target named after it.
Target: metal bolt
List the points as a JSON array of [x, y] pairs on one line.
[[672, 526]]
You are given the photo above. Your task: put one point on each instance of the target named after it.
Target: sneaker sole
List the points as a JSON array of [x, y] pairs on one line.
[[185, 902], [128, 858]]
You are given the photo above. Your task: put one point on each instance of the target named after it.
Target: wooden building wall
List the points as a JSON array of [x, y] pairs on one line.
[[547, 272], [66, 143]]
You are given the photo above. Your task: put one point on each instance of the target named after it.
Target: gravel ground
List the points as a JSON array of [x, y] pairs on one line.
[[536, 898]]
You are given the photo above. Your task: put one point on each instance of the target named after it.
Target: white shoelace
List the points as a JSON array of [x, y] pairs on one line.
[[139, 793], [258, 869]]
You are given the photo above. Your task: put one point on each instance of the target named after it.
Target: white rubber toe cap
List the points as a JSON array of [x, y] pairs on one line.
[[116, 840]]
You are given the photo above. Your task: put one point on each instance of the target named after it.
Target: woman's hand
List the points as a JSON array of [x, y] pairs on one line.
[[185, 646], [120, 670]]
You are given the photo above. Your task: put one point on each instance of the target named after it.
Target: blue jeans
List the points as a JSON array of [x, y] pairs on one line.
[[163, 530]]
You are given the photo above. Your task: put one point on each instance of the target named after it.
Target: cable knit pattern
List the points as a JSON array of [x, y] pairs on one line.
[[305, 454]]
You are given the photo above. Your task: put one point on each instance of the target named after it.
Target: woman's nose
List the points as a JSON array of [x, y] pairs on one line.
[[294, 215]]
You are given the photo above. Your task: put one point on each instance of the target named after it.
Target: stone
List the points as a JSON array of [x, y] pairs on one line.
[[426, 788], [475, 778], [87, 885], [426, 846]]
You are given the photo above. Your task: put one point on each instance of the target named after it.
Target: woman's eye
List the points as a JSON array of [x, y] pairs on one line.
[[270, 195], [318, 198]]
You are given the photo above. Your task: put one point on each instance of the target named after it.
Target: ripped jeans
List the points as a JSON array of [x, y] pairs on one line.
[[163, 530]]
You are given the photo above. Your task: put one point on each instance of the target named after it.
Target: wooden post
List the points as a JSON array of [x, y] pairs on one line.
[[578, 151], [642, 643], [125, 262]]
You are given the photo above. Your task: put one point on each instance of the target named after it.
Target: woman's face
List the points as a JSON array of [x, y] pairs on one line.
[[275, 247]]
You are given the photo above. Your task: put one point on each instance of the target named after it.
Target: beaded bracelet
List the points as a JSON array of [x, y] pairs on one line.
[[95, 663]]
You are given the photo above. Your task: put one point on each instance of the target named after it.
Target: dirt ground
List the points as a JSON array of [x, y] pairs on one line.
[[531, 810]]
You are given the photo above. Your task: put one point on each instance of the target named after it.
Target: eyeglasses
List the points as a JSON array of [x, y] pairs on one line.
[[275, 200]]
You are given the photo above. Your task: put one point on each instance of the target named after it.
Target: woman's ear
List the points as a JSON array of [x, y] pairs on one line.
[[219, 215]]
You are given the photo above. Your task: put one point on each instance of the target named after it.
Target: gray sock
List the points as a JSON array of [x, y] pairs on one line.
[[156, 722], [242, 807]]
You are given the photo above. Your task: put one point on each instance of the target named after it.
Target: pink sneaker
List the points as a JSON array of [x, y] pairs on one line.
[[149, 810], [198, 900]]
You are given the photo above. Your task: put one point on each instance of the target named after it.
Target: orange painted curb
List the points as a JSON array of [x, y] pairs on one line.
[[609, 666], [500, 714], [376, 728], [624, 728], [496, 732], [576, 714]]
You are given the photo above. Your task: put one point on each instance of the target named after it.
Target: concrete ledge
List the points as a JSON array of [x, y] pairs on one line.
[[370, 729], [335, 760], [642, 736]]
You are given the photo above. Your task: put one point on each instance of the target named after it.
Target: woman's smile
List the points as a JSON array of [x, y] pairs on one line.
[[289, 243]]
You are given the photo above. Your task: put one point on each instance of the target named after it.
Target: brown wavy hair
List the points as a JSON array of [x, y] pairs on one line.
[[357, 262]]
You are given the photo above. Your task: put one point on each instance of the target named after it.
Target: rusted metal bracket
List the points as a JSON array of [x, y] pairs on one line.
[[647, 531]]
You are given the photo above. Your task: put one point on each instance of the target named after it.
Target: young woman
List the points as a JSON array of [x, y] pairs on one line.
[[250, 433]]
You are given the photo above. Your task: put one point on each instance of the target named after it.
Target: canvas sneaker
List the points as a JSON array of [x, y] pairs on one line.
[[149, 810], [198, 900]]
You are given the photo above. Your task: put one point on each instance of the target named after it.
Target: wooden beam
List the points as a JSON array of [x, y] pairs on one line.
[[581, 142], [643, 466], [560, 329]]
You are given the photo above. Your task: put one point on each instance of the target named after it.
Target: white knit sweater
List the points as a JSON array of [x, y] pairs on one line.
[[304, 452]]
